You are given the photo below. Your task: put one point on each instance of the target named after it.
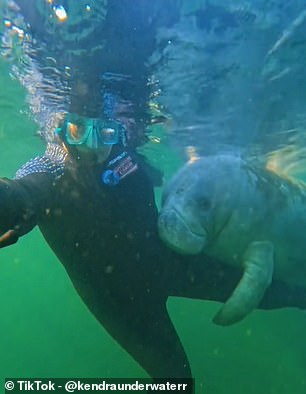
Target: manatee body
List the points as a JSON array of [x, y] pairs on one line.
[[246, 217]]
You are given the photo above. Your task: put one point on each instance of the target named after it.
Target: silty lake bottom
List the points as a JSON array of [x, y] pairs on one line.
[[46, 331]]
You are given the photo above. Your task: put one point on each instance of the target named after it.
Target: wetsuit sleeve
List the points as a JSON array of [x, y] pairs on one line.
[[21, 203], [24, 198]]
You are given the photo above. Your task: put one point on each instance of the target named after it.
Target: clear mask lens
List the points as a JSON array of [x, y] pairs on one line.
[[76, 133], [109, 136]]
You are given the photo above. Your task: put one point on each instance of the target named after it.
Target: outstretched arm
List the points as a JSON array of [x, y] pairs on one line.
[[21, 202], [24, 198]]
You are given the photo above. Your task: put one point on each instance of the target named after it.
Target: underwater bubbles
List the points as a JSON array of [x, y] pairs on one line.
[[60, 13]]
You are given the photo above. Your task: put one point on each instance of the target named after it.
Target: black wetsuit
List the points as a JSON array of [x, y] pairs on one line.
[[106, 237]]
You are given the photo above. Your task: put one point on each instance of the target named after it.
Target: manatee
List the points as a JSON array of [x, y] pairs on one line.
[[247, 217]]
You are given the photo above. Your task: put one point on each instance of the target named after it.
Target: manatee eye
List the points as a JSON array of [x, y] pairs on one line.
[[180, 190], [204, 203]]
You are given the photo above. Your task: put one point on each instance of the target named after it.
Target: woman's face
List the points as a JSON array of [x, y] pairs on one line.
[[96, 156]]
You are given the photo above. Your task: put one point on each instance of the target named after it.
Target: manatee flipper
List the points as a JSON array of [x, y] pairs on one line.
[[257, 276]]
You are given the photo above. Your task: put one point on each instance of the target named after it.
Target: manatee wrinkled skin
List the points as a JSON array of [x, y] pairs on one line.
[[242, 215]]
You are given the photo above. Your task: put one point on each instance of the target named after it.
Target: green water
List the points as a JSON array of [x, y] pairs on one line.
[[46, 331]]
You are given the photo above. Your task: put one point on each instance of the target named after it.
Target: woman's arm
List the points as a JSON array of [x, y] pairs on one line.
[[21, 202], [29, 194]]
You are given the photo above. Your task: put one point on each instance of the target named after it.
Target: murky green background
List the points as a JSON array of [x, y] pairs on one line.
[[46, 331]]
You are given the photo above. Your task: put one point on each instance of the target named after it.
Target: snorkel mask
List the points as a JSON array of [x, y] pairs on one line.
[[93, 133]]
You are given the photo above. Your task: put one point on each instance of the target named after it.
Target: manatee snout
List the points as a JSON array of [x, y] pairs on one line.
[[175, 232]]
